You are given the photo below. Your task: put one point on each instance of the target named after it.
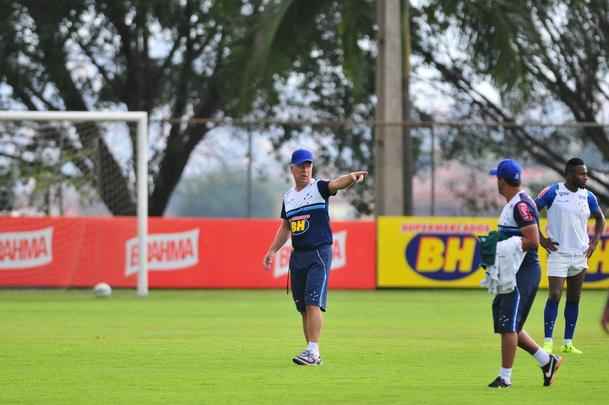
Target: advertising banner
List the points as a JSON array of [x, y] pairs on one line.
[[443, 252], [182, 253]]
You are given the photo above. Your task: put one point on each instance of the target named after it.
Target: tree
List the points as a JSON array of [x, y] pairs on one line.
[[176, 59], [544, 62], [219, 59], [335, 81], [7, 191], [546, 59]]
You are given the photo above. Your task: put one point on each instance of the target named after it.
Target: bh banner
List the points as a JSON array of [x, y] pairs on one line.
[[443, 252], [182, 253]]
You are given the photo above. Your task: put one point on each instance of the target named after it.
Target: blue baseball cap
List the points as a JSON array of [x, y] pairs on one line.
[[300, 156], [508, 169]]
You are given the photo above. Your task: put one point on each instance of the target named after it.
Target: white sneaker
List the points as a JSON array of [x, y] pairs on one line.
[[307, 358]]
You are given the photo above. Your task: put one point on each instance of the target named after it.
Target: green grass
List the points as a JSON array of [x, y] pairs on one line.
[[234, 347]]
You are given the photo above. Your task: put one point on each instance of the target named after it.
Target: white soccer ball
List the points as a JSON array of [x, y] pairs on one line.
[[102, 290]]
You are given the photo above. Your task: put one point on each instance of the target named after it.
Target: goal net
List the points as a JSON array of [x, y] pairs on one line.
[[73, 199]]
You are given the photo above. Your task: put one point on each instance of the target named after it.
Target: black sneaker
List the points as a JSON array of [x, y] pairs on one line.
[[549, 370], [499, 383]]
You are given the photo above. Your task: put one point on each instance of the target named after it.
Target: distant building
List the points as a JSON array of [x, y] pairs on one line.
[[466, 191]]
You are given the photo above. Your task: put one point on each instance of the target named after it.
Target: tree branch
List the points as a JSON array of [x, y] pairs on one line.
[[101, 69]]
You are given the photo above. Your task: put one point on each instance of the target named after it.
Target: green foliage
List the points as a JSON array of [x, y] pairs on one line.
[[7, 188], [194, 58], [300, 37], [548, 61], [334, 80], [200, 58]]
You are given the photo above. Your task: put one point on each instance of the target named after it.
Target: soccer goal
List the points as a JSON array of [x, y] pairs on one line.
[[70, 166]]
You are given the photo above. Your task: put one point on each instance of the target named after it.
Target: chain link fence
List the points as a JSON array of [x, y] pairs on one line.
[[240, 169]]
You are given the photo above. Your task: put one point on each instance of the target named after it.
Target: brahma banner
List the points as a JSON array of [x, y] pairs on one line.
[[24, 250], [443, 252], [167, 251], [182, 253]]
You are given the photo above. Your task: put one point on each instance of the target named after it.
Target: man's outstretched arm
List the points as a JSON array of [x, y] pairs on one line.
[[347, 180]]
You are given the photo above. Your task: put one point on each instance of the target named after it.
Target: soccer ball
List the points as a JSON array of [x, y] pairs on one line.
[[102, 290]]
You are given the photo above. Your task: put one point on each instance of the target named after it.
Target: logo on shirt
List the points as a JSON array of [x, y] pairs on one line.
[[443, 257], [299, 224], [525, 212]]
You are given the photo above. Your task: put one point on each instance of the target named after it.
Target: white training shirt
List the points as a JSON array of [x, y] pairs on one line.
[[307, 212], [568, 214]]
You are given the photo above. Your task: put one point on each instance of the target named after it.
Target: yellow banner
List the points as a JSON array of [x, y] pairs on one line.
[[443, 252]]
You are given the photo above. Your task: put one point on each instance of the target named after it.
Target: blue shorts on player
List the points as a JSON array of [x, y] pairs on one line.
[[510, 311], [309, 270]]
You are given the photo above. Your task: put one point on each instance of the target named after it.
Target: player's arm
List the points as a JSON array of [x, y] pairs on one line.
[[599, 224], [545, 200], [526, 218], [346, 181], [281, 236], [530, 237], [547, 243]]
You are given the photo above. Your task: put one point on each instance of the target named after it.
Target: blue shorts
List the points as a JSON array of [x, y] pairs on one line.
[[309, 270], [510, 311]]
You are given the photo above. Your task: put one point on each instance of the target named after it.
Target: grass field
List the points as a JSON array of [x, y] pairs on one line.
[[234, 347]]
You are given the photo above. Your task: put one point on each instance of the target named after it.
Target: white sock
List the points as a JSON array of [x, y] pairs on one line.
[[506, 375], [568, 342], [547, 340], [542, 357], [313, 347]]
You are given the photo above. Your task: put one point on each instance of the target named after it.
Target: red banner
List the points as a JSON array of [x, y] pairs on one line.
[[79, 252]]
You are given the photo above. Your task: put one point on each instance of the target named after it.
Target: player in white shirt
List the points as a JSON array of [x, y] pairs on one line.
[[569, 206]]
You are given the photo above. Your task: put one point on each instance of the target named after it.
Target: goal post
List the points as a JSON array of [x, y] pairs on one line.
[[140, 118]]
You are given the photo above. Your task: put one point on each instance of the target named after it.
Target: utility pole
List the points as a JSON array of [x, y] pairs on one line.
[[407, 163], [389, 145]]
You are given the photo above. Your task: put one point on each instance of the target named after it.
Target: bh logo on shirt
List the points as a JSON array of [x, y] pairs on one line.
[[442, 256], [299, 224]]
